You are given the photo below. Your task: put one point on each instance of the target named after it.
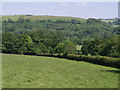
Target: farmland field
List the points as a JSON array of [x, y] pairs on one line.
[[24, 71]]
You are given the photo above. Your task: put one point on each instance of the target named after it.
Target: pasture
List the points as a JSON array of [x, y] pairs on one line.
[[24, 71]]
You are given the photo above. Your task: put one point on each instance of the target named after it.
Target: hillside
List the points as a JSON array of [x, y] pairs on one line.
[[72, 27], [22, 71], [114, 22], [41, 17], [27, 34]]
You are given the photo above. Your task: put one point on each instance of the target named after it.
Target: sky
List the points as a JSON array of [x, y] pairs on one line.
[[60, 0], [74, 9]]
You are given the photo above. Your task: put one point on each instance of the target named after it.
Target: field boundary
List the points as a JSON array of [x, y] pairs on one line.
[[99, 60]]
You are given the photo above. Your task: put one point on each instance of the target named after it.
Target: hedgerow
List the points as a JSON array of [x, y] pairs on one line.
[[100, 60]]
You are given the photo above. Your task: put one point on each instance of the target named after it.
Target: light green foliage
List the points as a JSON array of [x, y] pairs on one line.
[[78, 47], [29, 40], [59, 48], [20, 71], [69, 48]]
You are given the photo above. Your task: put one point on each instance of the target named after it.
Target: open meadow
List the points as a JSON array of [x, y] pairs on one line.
[[24, 71]]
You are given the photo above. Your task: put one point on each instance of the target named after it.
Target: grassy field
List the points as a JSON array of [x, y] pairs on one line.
[[22, 71], [41, 17]]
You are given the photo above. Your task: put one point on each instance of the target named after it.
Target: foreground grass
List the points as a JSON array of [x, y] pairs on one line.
[[22, 71]]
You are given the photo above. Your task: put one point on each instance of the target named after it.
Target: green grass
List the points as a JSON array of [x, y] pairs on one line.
[[115, 25], [41, 17], [13, 17], [22, 71], [109, 20], [78, 47]]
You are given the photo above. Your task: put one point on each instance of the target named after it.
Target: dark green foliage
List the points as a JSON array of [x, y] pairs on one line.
[[22, 44], [39, 49], [85, 47], [117, 22], [110, 47], [117, 30], [93, 21], [59, 48], [107, 47], [20, 20], [74, 21], [30, 43], [67, 47], [91, 47], [7, 42], [10, 20]]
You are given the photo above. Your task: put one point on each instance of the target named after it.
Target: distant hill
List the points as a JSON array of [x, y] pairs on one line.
[[113, 21], [40, 17], [74, 28]]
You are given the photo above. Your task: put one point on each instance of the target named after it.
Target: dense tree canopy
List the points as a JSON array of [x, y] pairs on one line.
[[92, 28], [25, 36], [107, 47]]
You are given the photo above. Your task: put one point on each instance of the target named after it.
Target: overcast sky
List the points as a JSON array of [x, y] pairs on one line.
[[74, 9]]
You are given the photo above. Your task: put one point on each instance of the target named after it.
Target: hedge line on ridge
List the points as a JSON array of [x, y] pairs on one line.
[[100, 60]]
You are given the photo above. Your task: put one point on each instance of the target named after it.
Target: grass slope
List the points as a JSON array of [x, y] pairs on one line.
[[22, 71], [41, 17]]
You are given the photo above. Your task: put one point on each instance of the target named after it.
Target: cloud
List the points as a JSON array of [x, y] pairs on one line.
[[81, 4], [64, 4], [99, 9]]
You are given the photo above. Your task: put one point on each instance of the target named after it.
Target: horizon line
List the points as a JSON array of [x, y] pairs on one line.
[[59, 16]]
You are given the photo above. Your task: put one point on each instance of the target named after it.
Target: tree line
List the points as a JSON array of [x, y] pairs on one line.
[[37, 43]]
